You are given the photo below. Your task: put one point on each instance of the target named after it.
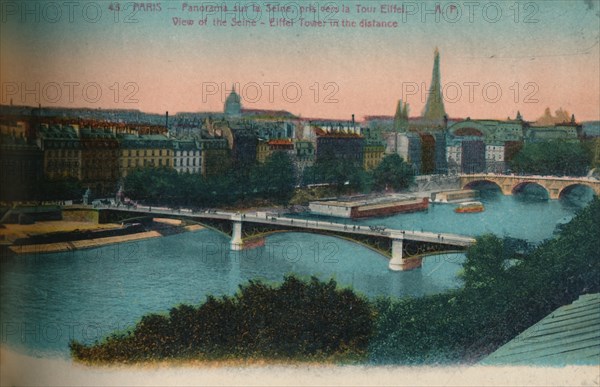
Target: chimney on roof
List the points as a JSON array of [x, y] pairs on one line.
[[167, 120], [352, 119]]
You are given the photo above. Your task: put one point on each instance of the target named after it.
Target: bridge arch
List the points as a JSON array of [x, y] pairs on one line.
[[521, 186], [411, 249], [478, 183], [568, 188], [384, 252]]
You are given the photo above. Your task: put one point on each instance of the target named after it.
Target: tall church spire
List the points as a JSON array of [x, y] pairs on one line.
[[401, 117], [434, 109]]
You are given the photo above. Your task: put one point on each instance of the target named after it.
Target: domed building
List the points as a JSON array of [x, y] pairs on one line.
[[233, 105]]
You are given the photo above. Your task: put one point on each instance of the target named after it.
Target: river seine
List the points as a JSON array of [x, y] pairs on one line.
[[48, 299]]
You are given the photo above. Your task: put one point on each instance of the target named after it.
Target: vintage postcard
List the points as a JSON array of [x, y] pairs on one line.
[[375, 192]]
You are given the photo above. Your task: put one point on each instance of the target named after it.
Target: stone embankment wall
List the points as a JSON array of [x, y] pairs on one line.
[[80, 215], [435, 183]]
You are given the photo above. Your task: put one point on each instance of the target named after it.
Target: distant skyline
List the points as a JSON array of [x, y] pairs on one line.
[[549, 51]]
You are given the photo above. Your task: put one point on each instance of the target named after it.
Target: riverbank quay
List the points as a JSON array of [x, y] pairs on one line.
[[68, 235], [17, 369]]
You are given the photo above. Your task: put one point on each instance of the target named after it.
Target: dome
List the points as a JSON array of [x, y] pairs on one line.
[[233, 97], [233, 105]]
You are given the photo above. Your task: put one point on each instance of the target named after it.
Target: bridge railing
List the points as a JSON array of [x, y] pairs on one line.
[[422, 236]]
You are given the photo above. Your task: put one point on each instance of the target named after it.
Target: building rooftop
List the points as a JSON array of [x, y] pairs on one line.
[[568, 336]]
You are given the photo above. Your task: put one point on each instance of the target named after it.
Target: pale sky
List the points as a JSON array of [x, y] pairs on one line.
[[546, 54]]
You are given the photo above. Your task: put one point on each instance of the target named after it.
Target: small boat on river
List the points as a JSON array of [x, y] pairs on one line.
[[469, 207]]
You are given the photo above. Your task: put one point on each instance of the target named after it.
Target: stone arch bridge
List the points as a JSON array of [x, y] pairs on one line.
[[510, 184], [404, 248]]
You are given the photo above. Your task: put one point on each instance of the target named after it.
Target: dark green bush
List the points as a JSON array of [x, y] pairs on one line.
[[296, 320]]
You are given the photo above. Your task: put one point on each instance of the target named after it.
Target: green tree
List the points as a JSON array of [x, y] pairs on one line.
[[279, 174], [343, 175], [558, 158], [62, 189], [154, 185], [392, 173]]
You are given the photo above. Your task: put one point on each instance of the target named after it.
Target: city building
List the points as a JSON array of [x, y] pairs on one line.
[[263, 151], [137, 151], [564, 132], [270, 130], [62, 150], [494, 158], [21, 167], [314, 128], [99, 159], [187, 157], [241, 139], [473, 156], [342, 147], [407, 145], [267, 148], [374, 149], [454, 156], [215, 156], [15, 129], [305, 155]]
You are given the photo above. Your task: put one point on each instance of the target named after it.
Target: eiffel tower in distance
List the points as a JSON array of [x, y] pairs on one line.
[[434, 112]]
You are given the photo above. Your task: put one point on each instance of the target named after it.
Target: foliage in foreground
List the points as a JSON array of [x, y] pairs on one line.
[[506, 290], [295, 320]]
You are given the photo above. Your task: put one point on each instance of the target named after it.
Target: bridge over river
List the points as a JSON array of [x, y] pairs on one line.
[[405, 248], [510, 184]]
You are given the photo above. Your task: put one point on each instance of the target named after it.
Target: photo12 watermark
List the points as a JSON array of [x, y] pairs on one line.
[[69, 92]]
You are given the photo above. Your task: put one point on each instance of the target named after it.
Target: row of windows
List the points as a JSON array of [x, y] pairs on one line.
[[190, 170], [62, 164], [147, 163], [63, 153], [71, 171], [146, 152], [185, 153], [71, 153], [185, 162]]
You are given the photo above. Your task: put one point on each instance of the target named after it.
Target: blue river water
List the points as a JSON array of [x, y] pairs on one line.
[[48, 299]]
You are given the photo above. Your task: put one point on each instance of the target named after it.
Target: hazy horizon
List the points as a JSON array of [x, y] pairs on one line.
[[535, 54]]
